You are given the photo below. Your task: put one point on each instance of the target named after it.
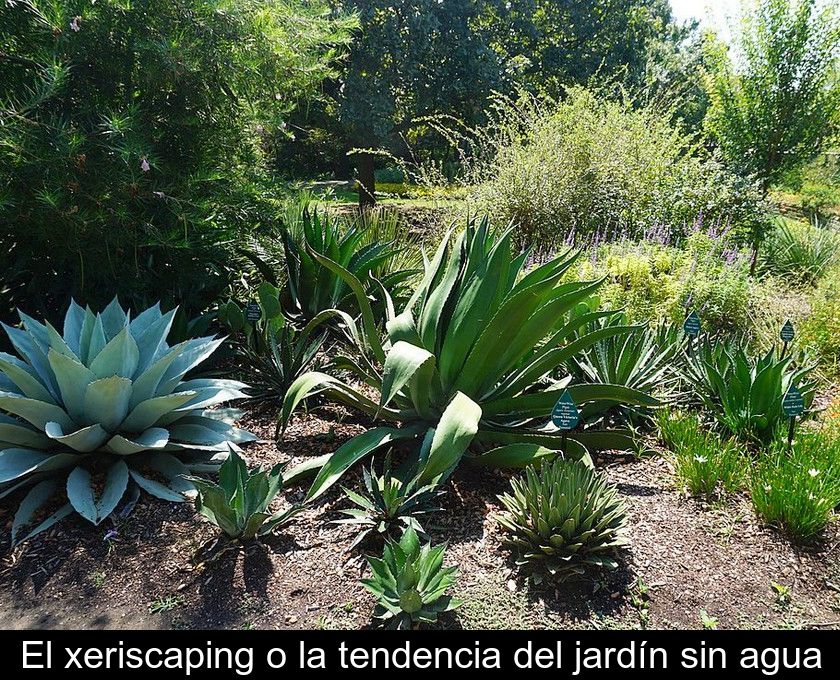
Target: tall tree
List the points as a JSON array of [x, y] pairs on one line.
[[411, 58], [775, 101], [130, 131]]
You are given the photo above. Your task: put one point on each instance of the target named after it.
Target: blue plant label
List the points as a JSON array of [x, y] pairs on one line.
[[793, 404], [787, 333], [565, 414], [691, 325], [253, 312]]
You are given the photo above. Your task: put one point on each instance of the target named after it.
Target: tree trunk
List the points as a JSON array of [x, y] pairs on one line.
[[367, 181]]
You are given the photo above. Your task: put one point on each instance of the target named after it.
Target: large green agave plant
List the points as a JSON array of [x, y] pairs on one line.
[[466, 363], [743, 392], [101, 410]]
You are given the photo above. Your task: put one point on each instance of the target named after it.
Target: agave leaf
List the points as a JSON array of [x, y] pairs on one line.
[[176, 488], [151, 338], [73, 379], [24, 378], [106, 402], [15, 463], [74, 321], [517, 455], [315, 382], [92, 505], [401, 364], [153, 438], [149, 412], [457, 426], [368, 321], [114, 319], [38, 413], [18, 433], [64, 511], [84, 440], [351, 453], [33, 354], [190, 354]]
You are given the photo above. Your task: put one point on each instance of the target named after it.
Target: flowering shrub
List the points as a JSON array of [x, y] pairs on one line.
[[595, 164]]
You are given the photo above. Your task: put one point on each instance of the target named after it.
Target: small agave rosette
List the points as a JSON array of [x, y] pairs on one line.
[[103, 409], [563, 518]]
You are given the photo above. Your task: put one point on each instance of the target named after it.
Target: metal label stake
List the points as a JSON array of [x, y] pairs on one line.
[[793, 405], [692, 327], [786, 335], [565, 415]]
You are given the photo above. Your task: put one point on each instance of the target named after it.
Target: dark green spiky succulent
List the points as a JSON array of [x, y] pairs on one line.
[[103, 409], [563, 518], [389, 503], [410, 583], [744, 393], [238, 504]]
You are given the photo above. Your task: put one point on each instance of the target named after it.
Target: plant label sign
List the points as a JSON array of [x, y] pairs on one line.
[[691, 325], [565, 414], [787, 333], [793, 404], [253, 313]]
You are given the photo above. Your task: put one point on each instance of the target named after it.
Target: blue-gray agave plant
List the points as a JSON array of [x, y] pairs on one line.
[[102, 409]]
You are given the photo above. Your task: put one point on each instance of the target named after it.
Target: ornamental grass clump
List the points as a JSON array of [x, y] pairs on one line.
[[103, 410], [469, 366], [704, 462], [798, 491], [563, 519]]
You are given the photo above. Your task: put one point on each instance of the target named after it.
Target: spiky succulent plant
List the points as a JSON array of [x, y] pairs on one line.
[[563, 518], [238, 504], [467, 368], [389, 503], [102, 409], [410, 582]]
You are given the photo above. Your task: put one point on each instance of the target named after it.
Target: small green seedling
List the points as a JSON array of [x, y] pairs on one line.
[[709, 622]]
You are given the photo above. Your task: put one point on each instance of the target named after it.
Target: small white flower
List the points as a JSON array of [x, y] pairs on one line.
[[768, 488], [813, 472], [700, 459], [75, 24], [144, 165]]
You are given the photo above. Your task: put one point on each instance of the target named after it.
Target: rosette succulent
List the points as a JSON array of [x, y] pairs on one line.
[[103, 409], [562, 518], [410, 583]]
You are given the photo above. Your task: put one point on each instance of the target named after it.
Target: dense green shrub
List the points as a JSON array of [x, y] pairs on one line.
[[821, 329], [799, 253], [562, 519], [589, 164], [130, 140], [703, 462], [103, 410], [799, 491], [467, 363], [654, 282]]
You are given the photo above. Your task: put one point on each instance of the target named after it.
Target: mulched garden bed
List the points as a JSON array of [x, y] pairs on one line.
[[685, 556]]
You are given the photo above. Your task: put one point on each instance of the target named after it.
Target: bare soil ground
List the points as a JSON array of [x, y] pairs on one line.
[[685, 557]]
